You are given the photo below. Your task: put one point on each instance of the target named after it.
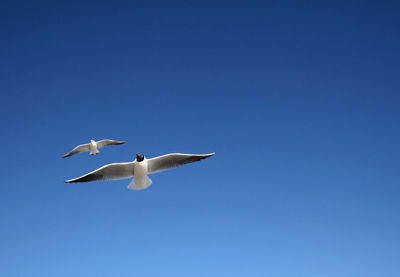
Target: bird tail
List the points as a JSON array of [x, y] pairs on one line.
[[94, 152], [140, 183]]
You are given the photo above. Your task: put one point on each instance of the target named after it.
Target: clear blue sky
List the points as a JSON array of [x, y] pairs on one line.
[[300, 102]]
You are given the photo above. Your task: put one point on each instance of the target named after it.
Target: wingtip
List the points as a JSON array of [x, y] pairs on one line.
[[208, 155]]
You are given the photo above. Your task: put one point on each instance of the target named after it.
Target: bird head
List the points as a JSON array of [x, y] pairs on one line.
[[139, 157]]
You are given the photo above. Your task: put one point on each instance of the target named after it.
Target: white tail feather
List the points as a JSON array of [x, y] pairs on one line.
[[140, 183]]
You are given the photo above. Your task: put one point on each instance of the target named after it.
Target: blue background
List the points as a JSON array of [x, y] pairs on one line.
[[300, 102]]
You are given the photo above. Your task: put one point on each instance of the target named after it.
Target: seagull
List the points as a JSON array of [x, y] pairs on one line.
[[93, 147], [139, 168]]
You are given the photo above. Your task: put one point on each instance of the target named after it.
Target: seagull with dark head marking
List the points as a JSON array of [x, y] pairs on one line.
[[93, 147], [139, 169]]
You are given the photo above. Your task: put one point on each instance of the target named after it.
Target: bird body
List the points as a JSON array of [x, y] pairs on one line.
[[141, 180], [93, 147], [139, 169]]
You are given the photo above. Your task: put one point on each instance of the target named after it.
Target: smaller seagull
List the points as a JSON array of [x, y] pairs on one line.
[[93, 147], [139, 169]]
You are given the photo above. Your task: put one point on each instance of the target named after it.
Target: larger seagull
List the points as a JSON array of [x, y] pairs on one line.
[[139, 168], [93, 147]]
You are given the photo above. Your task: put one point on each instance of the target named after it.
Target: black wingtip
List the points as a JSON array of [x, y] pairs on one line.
[[205, 156]]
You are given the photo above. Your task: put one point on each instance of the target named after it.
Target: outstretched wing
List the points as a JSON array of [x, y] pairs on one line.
[[113, 171], [169, 161], [106, 142], [78, 149]]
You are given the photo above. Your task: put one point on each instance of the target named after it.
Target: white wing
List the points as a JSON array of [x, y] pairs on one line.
[[106, 142], [113, 171], [78, 149], [169, 161]]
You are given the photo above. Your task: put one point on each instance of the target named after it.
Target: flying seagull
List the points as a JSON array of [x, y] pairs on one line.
[[139, 168], [93, 147]]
